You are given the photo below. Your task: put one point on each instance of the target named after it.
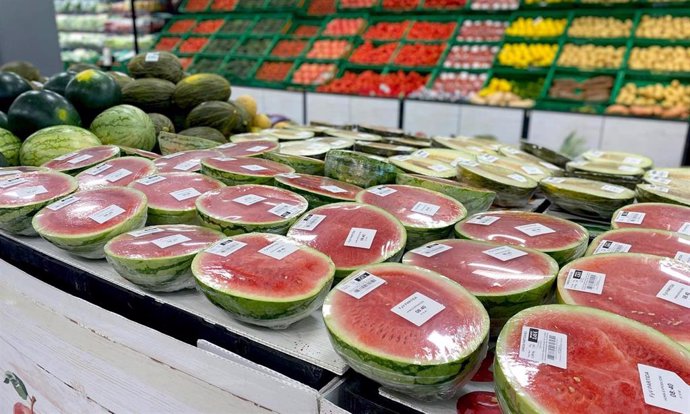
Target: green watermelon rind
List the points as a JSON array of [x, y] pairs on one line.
[[125, 125], [18, 219], [513, 400], [586, 203], [170, 143], [314, 197], [301, 165], [238, 178], [404, 164], [90, 245], [475, 200], [235, 227], [74, 171], [9, 146], [507, 195], [358, 169], [49, 143], [646, 193]]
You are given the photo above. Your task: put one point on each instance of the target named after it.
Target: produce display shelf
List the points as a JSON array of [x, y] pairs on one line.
[[628, 14], [534, 14], [302, 352]]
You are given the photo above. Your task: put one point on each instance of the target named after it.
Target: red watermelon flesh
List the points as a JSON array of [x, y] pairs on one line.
[[140, 243], [649, 241], [603, 353], [478, 402], [482, 274], [630, 289], [186, 161], [330, 235], [247, 148], [315, 183], [405, 205], [73, 219], [369, 323], [238, 165], [159, 192], [660, 216], [249, 273], [116, 172], [221, 203], [34, 187], [9, 172], [140, 153], [83, 158]]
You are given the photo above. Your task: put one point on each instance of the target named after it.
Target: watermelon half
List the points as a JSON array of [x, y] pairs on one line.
[[352, 234], [653, 216], [355, 135], [586, 197], [677, 193], [630, 288], [136, 152], [624, 158], [84, 222], [302, 165], [250, 208], [512, 189], [474, 199], [186, 161], [305, 149], [243, 170], [118, 172], [318, 190], [602, 375], [264, 279], [252, 148], [426, 215], [287, 134], [172, 196], [359, 169], [422, 165], [22, 195], [414, 331], [561, 239], [77, 161], [335, 143], [650, 241], [9, 172], [159, 258], [667, 176], [505, 279]]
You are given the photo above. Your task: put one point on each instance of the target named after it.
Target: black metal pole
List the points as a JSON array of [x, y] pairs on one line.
[[134, 27]]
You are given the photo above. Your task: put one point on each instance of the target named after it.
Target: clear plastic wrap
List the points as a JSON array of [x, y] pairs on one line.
[[474, 199], [408, 328], [607, 171], [243, 170], [673, 194], [356, 168], [512, 189], [660, 216], [77, 161], [623, 158], [118, 171], [647, 241], [318, 190], [186, 161], [586, 197]]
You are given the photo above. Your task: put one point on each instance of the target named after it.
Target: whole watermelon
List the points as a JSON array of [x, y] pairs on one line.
[[9, 146], [48, 143], [149, 94], [122, 79], [127, 126], [11, 86], [162, 123], [58, 82], [34, 110], [92, 92], [223, 116]]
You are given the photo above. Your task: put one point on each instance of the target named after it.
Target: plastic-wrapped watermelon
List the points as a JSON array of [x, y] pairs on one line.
[[586, 197]]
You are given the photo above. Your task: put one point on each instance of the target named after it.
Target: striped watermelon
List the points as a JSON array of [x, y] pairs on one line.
[[52, 142], [118, 172], [9, 146], [78, 161], [125, 125]]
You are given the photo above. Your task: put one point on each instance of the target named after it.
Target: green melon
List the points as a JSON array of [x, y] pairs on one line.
[[203, 132], [474, 199], [34, 110], [162, 123], [172, 143], [223, 116], [302, 165], [49, 143], [512, 189], [202, 87], [149, 94], [161, 65], [125, 125], [11, 86], [359, 169], [586, 197], [92, 92], [22, 68]]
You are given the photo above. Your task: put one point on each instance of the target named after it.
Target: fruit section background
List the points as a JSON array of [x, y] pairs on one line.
[[624, 58]]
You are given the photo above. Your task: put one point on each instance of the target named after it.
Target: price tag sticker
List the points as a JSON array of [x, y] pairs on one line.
[[685, 228], [63, 203], [628, 168], [549, 166], [612, 188], [333, 189], [431, 250], [309, 222], [285, 210], [81, 158], [609, 246], [256, 148], [532, 169], [659, 188], [420, 154], [417, 308], [279, 249], [360, 238], [535, 229], [517, 177], [152, 57], [632, 160], [425, 208], [487, 158], [167, 241], [117, 175], [226, 247], [439, 168], [98, 169], [249, 199], [361, 284], [630, 217], [288, 175], [505, 253], [254, 167], [659, 173], [658, 180], [585, 281], [683, 257], [382, 191], [9, 172], [31, 191], [107, 214], [465, 163], [152, 179], [483, 220], [544, 346], [675, 292], [12, 182], [223, 159], [185, 194], [187, 165], [664, 389], [553, 180], [145, 231]]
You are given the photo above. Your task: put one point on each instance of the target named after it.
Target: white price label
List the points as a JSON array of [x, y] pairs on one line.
[[683, 257], [612, 188], [254, 167], [431, 250], [420, 154], [172, 240], [675, 292], [660, 188], [170, 156], [662, 181], [417, 308], [360, 238], [425, 208], [249, 199], [632, 160], [505, 253], [465, 163], [288, 175], [544, 346], [333, 189], [187, 165], [382, 191], [401, 158], [63, 203], [664, 389], [685, 229], [361, 284], [439, 168], [628, 168], [9, 172], [256, 148], [630, 217], [145, 231], [12, 182], [339, 142], [659, 173], [511, 150], [285, 210], [223, 159], [226, 247], [532, 169], [228, 145], [65, 156], [117, 175], [483, 220], [279, 249], [185, 193], [152, 179], [107, 213], [535, 229], [517, 177], [585, 281], [549, 166], [309, 222], [31, 191], [487, 158], [152, 57], [595, 154], [80, 158], [553, 180], [98, 169], [610, 246]]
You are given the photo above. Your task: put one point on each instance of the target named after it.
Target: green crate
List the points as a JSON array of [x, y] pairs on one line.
[[307, 42], [578, 76], [204, 63], [653, 73], [616, 14], [250, 6], [270, 24], [360, 42], [297, 23], [168, 37], [608, 4], [268, 43], [643, 41], [205, 19], [553, 14], [519, 76], [595, 42], [340, 8], [479, 18], [223, 43], [245, 25], [232, 63], [290, 6]]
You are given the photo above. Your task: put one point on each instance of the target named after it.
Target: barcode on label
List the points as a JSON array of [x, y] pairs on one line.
[[165, 242], [226, 247], [285, 210], [361, 284], [145, 231], [360, 238], [675, 292], [418, 308], [483, 220], [249, 199], [382, 191], [630, 217], [421, 154], [152, 57], [117, 175], [532, 169], [309, 222], [610, 246], [518, 178], [544, 346], [585, 281], [431, 250]]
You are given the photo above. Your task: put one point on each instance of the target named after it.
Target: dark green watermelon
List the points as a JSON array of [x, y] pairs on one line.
[[24, 69], [245, 119], [58, 82], [3, 120], [11, 86], [92, 92], [34, 110]]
